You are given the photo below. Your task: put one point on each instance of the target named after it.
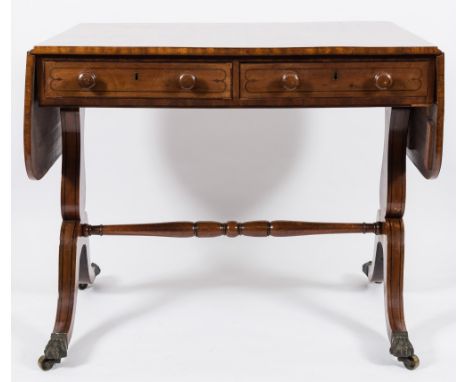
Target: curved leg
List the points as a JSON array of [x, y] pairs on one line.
[[394, 256], [74, 265], [387, 264], [69, 250]]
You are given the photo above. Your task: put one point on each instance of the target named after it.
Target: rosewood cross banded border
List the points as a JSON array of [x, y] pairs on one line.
[[362, 64]]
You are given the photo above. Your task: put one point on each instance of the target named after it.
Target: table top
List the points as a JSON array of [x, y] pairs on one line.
[[341, 64], [237, 38]]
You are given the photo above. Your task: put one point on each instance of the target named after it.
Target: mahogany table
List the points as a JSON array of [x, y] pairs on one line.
[[365, 64]]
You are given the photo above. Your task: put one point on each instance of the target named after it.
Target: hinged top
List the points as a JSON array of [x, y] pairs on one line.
[[236, 39]]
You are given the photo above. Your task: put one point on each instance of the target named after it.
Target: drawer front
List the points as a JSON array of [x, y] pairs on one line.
[[336, 80], [136, 80]]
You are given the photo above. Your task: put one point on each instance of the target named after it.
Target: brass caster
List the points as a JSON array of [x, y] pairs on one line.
[[365, 267], [96, 268], [44, 363], [55, 350], [365, 270], [411, 362]]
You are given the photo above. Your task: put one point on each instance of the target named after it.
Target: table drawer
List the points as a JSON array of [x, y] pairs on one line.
[[336, 80], [118, 79]]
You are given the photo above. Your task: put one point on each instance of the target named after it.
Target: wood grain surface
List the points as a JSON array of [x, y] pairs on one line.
[[388, 262], [41, 128], [259, 228], [234, 66]]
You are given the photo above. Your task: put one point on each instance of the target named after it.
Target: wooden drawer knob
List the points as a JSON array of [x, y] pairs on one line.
[[290, 81], [87, 80], [187, 81], [383, 80]]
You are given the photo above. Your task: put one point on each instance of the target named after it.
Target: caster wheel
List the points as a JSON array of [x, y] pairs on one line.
[[365, 267], [96, 268], [44, 363], [410, 363]]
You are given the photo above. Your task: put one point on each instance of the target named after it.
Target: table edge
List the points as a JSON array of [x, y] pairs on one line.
[[219, 51]]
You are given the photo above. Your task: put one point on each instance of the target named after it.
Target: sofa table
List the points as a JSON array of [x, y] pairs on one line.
[[355, 64]]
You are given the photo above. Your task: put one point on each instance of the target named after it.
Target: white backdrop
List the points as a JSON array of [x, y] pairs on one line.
[[233, 309]]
